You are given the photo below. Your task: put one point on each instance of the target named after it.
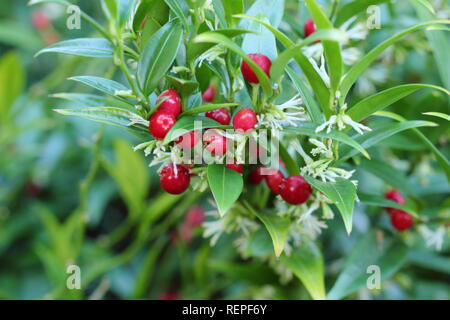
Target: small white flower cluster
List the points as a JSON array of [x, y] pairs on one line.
[[433, 238], [341, 120], [213, 54], [276, 117], [161, 153]]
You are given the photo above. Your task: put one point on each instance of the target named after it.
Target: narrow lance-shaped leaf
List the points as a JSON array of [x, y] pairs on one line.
[[158, 55], [12, 81], [376, 200], [315, 80], [332, 49], [85, 47], [353, 8], [342, 193], [385, 98], [353, 74], [107, 86], [226, 186]]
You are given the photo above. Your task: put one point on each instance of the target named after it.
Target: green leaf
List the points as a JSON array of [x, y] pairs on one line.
[[16, 34], [261, 42], [291, 166], [110, 115], [372, 138], [438, 114], [131, 174], [231, 8], [156, 13], [189, 123], [158, 56], [267, 8], [278, 228], [279, 65], [438, 39], [311, 105], [226, 186], [429, 260], [92, 100], [353, 74], [85, 47], [318, 85], [342, 193], [215, 37], [353, 8], [12, 81], [306, 262], [124, 10], [208, 107], [376, 200], [309, 129], [175, 6], [183, 87], [332, 49], [389, 257], [107, 86], [383, 99]]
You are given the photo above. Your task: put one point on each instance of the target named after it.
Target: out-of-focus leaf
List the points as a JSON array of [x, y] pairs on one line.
[[306, 262], [353, 8], [12, 81], [232, 7], [389, 257], [439, 115], [376, 200]]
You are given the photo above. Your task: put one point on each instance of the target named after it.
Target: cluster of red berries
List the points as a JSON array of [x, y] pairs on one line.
[[400, 219], [294, 189], [176, 179]]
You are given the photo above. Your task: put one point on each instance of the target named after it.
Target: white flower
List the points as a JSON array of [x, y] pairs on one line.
[[433, 238], [210, 55], [322, 148], [341, 120], [287, 113], [355, 32]]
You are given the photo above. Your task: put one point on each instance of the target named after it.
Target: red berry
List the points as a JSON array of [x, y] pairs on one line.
[[215, 143], [262, 61], [221, 115], [310, 27], [160, 124], [255, 177], [195, 216], [40, 20], [172, 104], [295, 190], [188, 140], [244, 120], [175, 182], [273, 180], [395, 196], [401, 220], [209, 94], [239, 168]]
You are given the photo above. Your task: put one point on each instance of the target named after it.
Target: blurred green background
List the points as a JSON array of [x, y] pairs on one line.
[[74, 192]]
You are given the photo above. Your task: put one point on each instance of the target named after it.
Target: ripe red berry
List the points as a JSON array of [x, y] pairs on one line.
[[255, 177], [40, 20], [209, 94], [244, 120], [310, 27], [221, 115], [401, 220], [160, 124], [188, 140], [262, 61], [172, 104], [195, 216], [239, 168], [215, 143], [175, 182], [295, 190], [395, 196], [273, 180]]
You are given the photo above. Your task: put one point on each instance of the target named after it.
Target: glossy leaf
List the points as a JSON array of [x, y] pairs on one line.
[[226, 186], [107, 86], [353, 8], [85, 47], [342, 193], [232, 7], [158, 56], [439, 115]]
